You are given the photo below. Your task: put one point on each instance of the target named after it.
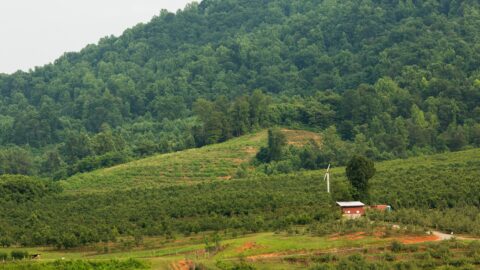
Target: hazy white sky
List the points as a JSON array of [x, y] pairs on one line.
[[36, 32]]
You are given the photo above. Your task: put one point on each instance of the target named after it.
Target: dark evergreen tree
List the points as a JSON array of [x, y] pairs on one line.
[[359, 171]]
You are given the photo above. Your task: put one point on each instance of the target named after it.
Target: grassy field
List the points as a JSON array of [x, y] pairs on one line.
[[249, 246], [268, 251]]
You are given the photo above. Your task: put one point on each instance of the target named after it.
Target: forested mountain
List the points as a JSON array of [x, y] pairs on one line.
[[400, 77]]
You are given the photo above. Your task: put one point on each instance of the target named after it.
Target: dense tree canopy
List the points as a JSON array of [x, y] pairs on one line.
[[402, 77]]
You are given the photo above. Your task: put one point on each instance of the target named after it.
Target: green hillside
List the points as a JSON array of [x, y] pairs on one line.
[[136, 199], [436, 181], [443, 180], [214, 162]]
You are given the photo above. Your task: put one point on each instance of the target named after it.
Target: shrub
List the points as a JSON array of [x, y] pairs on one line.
[[356, 258], [473, 248], [476, 260], [458, 262], [412, 248], [322, 267], [18, 254], [389, 257], [397, 246], [5, 241], [325, 258], [242, 171], [440, 252], [422, 256], [243, 266]]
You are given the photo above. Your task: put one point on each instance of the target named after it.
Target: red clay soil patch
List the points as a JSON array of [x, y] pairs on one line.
[[248, 246], [334, 236], [183, 265], [355, 236], [418, 239]]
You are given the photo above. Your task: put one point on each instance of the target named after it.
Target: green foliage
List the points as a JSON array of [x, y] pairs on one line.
[[275, 149], [297, 156], [414, 260], [22, 188], [74, 265], [212, 162], [213, 244], [276, 142], [397, 246], [18, 255], [243, 266], [326, 227], [95, 162], [382, 79], [359, 171], [223, 119], [251, 205], [259, 202], [16, 160], [397, 78]]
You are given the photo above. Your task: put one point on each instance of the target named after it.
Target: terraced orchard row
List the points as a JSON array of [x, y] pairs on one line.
[[210, 163]]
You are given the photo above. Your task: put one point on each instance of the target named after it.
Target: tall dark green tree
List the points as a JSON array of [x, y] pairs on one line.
[[276, 144], [359, 171]]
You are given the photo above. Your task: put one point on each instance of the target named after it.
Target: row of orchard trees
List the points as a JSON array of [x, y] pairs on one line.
[[40, 214]]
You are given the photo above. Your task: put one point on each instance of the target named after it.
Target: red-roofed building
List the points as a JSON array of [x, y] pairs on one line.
[[352, 209]]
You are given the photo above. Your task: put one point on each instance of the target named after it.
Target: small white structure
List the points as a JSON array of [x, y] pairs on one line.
[[327, 178]]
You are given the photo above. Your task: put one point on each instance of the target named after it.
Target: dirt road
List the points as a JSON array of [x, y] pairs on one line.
[[446, 236]]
